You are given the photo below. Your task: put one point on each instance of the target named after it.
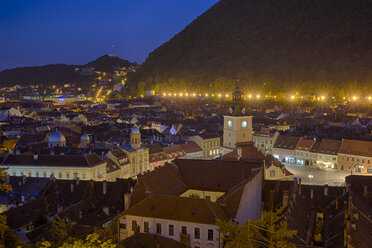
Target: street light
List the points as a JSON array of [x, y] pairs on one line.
[[310, 177]]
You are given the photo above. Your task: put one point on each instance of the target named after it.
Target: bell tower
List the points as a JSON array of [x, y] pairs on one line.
[[135, 137], [237, 124]]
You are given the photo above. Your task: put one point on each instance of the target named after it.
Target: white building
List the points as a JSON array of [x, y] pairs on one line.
[[265, 140], [85, 167], [183, 200]]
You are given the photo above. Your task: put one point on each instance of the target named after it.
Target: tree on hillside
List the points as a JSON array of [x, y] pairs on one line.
[[271, 231]]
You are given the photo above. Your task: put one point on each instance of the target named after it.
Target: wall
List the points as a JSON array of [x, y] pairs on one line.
[[203, 242]]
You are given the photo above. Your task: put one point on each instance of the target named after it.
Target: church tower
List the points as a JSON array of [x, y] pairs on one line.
[[237, 125], [135, 137]]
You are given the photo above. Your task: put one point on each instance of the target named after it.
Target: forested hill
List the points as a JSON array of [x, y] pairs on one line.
[[267, 42], [59, 74]]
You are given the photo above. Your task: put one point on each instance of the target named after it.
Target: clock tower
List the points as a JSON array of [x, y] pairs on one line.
[[237, 125]]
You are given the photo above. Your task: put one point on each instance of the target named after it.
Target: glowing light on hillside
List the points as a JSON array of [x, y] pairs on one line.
[[187, 94], [249, 96], [227, 95], [258, 96], [369, 98], [181, 94], [219, 95], [292, 97]]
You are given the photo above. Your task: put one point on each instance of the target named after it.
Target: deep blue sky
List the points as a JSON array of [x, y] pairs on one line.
[[38, 32]]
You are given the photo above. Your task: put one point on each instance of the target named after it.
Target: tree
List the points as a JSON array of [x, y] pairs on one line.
[[62, 229], [271, 231]]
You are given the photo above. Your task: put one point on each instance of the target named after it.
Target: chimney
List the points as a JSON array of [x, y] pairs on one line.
[[106, 210], [104, 187], [72, 188], [77, 181], [285, 198], [326, 190], [24, 179], [126, 201], [36, 157], [311, 194], [239, 152], [365, 191]]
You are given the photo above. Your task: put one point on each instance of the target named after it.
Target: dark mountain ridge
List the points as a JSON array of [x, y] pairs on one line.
[[59, 74], [267, 43]]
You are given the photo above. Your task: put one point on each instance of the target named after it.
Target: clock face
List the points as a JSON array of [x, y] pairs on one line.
[[244, 124], [229, 123]]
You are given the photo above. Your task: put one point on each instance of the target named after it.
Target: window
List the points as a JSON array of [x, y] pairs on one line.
[[208, 197], [29, 174], [184, 230], [158, 228], [76, 175], [14, 173], [84, 176], [123, 226], [272, 173], [146, 227], [67, 175], [171, 230], [134, 225], [37, 174], [210, 234], [197, 233], [60, 175], [44, 174]]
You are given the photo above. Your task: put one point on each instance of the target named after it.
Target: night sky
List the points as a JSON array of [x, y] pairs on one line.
[[38, 32]]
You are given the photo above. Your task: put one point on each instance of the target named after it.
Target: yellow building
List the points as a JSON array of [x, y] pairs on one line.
[[138, 155]]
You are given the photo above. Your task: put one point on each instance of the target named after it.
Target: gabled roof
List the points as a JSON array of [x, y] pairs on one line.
[[356, 147], [88, 160], [211, 174], [305, 144], [179, 208], [287, 142], [191, 147]]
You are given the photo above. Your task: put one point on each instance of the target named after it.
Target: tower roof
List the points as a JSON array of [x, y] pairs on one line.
[[135, 129]]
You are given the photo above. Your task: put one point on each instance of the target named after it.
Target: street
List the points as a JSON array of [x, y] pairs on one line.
[[319, 176]]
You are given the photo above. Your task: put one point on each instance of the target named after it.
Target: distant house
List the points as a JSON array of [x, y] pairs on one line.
[[303, 151], [264, 140], [285, 149], [8, 113], [210, 143], [355, 155], [324, 153]]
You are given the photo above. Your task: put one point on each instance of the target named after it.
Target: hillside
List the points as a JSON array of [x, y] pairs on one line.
[[107, 63], [58, 74], [268, 44]]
